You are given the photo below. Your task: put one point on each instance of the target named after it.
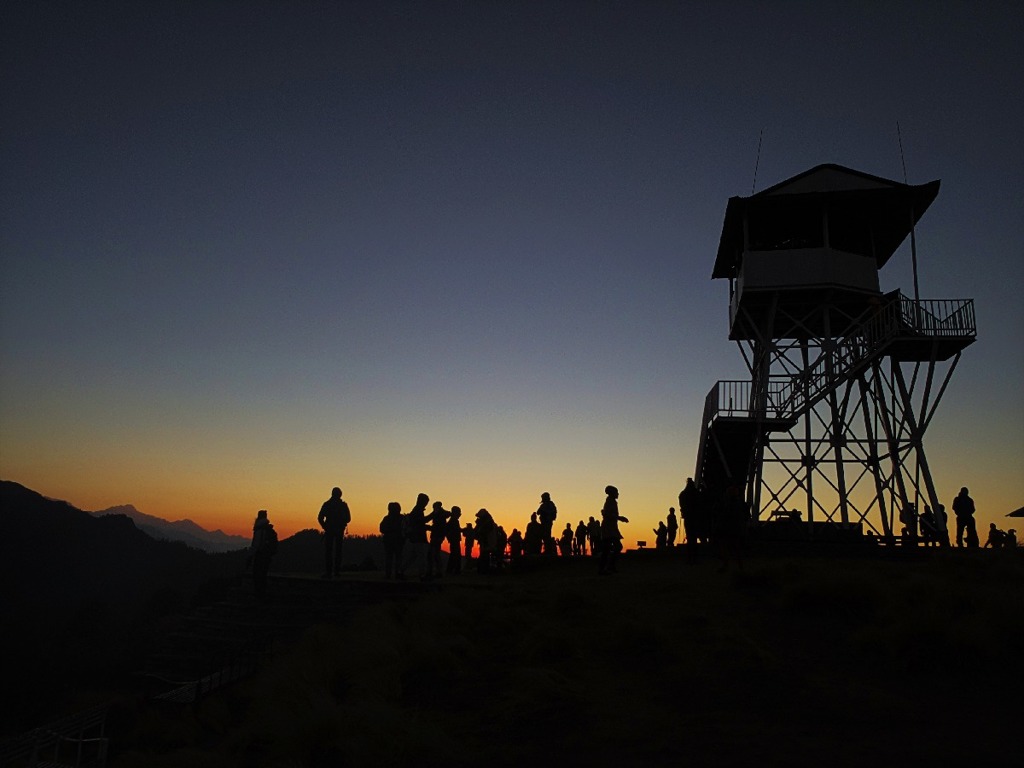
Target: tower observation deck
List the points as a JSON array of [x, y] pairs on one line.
[[844, 379]]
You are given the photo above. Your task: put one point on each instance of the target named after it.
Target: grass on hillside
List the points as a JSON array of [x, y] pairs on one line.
[[791, 661]]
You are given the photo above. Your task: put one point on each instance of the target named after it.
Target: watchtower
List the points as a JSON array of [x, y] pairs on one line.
[[843, 380]]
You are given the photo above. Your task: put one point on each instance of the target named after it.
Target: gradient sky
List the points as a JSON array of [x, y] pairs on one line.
[[254, 250]]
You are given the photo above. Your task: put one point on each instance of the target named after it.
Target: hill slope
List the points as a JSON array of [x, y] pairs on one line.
[[794, 661], [77, 591]]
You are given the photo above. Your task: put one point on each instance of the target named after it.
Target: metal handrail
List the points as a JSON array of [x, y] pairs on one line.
[[788, 398]]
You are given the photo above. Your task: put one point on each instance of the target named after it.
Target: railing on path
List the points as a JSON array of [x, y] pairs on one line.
[[75, 741]]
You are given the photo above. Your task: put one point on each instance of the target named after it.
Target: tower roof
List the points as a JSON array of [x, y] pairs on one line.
[[885, 205]]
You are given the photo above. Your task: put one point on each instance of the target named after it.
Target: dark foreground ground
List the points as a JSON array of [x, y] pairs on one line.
[[794, 661]]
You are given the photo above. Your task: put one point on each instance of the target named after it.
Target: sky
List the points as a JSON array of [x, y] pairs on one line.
[[251, 251]]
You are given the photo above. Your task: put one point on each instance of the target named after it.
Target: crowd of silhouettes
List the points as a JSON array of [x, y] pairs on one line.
[[930, 526], [413, 541]]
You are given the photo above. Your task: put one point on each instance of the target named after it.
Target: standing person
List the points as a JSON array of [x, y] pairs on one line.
[[262, 549], [487, 537], [515, 545], [581, 539], [546, 514], [661, 535], [438, 522], [673, 527], [565, 541], [611, 539], [454, 537], [334, 518], [963, 508], [594, 534], [942, 521], [534, 536], [394, 539], [501, 545], [470, 535], [688, 502], [416, 537]]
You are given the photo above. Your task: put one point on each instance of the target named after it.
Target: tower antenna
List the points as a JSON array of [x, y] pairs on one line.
[[913, 239], [757, 162]]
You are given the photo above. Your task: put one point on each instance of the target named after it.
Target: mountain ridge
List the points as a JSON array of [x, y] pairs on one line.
[[186, 531]]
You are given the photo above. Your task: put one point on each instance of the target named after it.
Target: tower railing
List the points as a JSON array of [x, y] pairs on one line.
[[898, 318], [734, 398]]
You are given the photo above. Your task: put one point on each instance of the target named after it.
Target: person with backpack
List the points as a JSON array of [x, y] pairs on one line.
[[334, 518], [415, 547], [262, 549], [487, 535], [547, 512]]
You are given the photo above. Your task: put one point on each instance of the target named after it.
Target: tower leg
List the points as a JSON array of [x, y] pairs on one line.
[[917, 439]]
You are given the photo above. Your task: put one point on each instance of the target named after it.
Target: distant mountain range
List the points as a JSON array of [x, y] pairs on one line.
[[184, 531]]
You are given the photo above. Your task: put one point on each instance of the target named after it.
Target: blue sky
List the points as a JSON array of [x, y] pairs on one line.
[[250, 251]]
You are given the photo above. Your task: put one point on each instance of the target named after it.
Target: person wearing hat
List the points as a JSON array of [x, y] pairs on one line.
[[611, 539]]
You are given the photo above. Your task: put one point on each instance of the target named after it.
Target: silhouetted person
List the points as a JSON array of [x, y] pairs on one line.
[[546, 514], [515, 544], [534, 536], [731, 519], [334, 518], [942, 522], [908, 516], [661, 536], [262, 549], [454, 538], [594, 534], [963, 508], [673, 526], [611, 539], [501, 544], [1011, 539], [580, 544], [393, 534], [996, 538], [929, 527], [416, 537], [487, 538], [689, 502], [565, 541], [437, 520], [470, 535]]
